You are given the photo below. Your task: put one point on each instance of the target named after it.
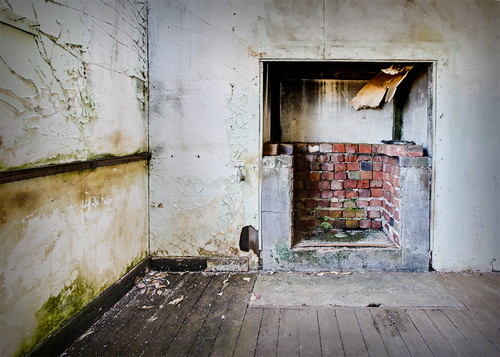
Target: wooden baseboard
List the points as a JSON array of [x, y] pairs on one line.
[[57, 342], [199, 264]]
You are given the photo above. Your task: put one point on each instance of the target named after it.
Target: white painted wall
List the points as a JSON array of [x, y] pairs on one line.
[[205, 97]]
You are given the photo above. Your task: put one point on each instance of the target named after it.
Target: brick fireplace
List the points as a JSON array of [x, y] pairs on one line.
[[333, 195]]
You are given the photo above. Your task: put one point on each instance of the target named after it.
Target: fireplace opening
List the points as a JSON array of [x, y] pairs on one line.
[[347, 161]]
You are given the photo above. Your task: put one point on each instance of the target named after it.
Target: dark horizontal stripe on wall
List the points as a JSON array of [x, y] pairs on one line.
[[25, 174]]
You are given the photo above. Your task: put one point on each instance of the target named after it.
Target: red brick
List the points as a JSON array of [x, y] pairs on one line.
[[387, 176], [310, 158], [364, 193], [395, 181], [301, 166], [327, 176], [350, 158], [393, 161], [325, 147], [336, 204], [396, 193], [350, 184], [351, 194], [311, 185], [377, 166], [299, 157], [302, 213], [297, 185], [302, 175], [348, 214], [323, 213], [314, 193], [365, 148], [323, 203], [338, 148], [364, 157], [376, 224], [335, 213], [378, 175], [385, 185], [327, 167], [300, 147], [302, 193], [327, 194], [324, 185], [323, 158], [375, 203], [360, 204], [310, 203], [340, 167], [349, 204], [353, 166], [337, 185], [365, 224], [339, 194], [313, 223], [396, 215], [337, 157], [315, 166], [395, 170], [351, 148], [386, 216], [377, 192], [366, 175], [361, 214], [378, 158], [351, 224], [363, 183], [373, 214], [376, 184], [396, 203], [340, 176], [339, 224], [314, 176], [395, 238], [387, 168]]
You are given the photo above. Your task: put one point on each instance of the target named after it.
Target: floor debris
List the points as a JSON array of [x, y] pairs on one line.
[[176, 301]]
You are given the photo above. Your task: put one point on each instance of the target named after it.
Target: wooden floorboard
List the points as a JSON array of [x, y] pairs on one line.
[[249, 333], [331, 343], [288, 333], [371, 334], [267, 342], [350, 333], [309, 342], [214, 319], [386, 326]]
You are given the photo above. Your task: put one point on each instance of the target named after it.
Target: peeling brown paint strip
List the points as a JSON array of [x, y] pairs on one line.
[[25, 174], [56, 343], [382, 85]]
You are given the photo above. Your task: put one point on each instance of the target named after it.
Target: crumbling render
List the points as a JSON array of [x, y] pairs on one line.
[[382, 85]]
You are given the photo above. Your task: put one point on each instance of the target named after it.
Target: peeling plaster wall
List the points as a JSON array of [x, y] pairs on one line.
[[205, 99], [77, 90], [63, 240]]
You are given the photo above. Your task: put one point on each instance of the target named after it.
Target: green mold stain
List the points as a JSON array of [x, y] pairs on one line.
[[59, 309]]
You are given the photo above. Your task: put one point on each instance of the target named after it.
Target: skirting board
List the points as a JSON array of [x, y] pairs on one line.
[[57, 342]]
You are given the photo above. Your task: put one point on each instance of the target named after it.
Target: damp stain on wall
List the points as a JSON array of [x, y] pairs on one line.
[[63, 240]]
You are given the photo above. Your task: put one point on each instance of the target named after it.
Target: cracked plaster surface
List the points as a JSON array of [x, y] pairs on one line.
[[66, 91]]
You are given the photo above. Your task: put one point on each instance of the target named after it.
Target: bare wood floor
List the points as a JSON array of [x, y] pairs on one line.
[[214, 319]]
